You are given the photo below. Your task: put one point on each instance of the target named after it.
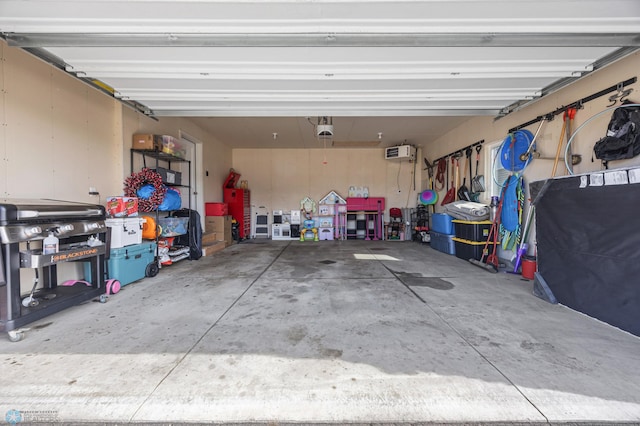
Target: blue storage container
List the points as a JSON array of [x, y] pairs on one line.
[[442, 242], [128, 264], [442, 223]]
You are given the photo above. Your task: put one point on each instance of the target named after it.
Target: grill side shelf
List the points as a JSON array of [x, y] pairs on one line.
[[35, 258]]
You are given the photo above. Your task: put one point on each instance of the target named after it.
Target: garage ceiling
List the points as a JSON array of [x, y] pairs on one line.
[[385, 71]]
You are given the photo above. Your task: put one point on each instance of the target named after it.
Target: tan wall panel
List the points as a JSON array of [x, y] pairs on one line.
[[61, 136], [330, 176], [279, 179], [3, 122], [29, 126]]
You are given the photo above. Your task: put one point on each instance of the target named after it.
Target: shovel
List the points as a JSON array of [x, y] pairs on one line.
[[463, 191], [477, 183], [450, 196]]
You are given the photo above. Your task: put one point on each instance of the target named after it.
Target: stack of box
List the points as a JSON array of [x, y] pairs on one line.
[[217, 228], [118, 206], [442, 233], [471, 238]]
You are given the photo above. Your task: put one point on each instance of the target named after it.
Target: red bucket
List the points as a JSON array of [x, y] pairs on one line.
[[529, 267]]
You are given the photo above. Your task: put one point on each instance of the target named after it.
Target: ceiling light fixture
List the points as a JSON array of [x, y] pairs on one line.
[[324, 130]]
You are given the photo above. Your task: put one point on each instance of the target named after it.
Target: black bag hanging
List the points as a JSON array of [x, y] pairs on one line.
[[623, 135], [193, 238]]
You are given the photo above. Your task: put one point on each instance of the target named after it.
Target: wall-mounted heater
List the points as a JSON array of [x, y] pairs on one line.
[[400, 152]]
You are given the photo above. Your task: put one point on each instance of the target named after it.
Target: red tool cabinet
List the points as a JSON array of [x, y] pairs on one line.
[[239, 202]]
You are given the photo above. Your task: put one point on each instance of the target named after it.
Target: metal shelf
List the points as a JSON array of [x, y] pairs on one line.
[[159, 155]]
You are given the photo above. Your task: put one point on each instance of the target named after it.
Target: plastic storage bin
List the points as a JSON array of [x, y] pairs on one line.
[[442, 242], [442, 223], [216, 209], [125, 231], [466, 249], [129, 264], [173, 226], [472, 231], [325, 234], [169, 177]]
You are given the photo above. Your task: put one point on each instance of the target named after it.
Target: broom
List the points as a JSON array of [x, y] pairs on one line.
[[522, 250], [492, 263]]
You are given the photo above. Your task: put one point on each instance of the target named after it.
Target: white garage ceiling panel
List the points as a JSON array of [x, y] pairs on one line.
[[315, 58]]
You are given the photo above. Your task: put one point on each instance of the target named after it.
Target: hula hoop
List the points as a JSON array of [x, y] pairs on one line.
[[145, 176]]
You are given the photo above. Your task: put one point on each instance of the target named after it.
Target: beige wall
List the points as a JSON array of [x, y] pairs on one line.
[[280, 178], [490, 130], [60, 136]]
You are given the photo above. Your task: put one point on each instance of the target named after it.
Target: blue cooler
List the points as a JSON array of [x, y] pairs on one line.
[[128, 264]]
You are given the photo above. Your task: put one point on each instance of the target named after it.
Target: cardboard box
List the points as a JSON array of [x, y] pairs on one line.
[[147, 142], [118, 206], [221, 225], [209, 238]]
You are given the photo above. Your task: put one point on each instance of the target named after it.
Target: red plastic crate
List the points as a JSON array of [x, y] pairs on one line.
[[216, 209]]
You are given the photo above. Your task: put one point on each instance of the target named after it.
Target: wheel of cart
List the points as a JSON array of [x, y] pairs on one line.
[[15, 335], [152, 269]]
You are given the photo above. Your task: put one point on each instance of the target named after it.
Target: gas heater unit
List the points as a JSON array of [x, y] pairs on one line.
[[401, 152]]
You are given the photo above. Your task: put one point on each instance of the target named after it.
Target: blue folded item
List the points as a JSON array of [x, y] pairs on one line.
[[510, 217], [145, 191], [171, 201]]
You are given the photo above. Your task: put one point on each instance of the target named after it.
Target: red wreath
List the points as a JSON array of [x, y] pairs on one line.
[[143, 177]]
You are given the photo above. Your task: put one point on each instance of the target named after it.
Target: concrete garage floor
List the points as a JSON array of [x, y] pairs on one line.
[[343, 332]]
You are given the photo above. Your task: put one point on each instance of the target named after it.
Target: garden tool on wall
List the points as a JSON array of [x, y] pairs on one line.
[[526, 156], [477, 183], [567, 120], [441, 174], [450, 196], [463, 191], [429, 195]]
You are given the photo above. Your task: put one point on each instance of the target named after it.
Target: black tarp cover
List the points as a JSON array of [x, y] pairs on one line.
[[588, 245]]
